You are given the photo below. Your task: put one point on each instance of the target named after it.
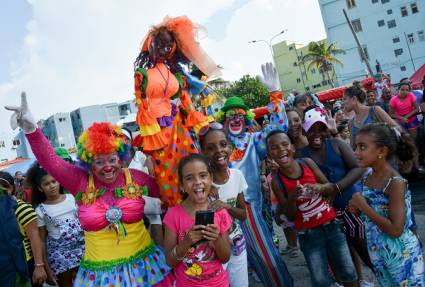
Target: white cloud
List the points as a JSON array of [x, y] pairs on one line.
[[79, 53]]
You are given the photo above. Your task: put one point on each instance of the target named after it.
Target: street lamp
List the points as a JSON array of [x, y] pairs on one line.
[[269, 42]]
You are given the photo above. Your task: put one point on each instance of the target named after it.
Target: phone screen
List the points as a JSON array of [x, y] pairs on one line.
[[204, 217]]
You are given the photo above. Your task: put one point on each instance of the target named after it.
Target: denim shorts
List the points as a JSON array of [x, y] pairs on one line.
[[323, 242]]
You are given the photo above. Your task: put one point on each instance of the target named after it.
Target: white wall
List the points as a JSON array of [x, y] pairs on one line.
[[7, 152], [379, 40]]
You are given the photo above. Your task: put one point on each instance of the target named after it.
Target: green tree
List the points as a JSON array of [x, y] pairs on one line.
[[250, 89], [322, 55]]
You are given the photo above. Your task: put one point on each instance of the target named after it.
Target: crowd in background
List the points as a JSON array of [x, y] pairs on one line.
[[351, 157]]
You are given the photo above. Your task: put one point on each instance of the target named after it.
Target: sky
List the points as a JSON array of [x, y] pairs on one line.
[[72, 53]]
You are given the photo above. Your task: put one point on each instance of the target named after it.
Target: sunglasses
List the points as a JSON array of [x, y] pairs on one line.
[[213, 126]]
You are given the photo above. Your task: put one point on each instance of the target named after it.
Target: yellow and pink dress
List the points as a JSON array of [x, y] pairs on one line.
[[119, 250]]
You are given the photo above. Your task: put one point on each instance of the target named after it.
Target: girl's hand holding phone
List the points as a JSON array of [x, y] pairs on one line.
[[210, 232]]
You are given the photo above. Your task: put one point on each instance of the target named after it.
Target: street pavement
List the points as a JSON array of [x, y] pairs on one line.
[[298, 268]]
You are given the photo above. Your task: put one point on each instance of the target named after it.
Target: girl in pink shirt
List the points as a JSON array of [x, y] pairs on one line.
[[403, 108], [196, 252]]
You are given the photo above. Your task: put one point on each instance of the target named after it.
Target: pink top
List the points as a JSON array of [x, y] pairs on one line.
[[74, 179], [200, 266], [405, 106]]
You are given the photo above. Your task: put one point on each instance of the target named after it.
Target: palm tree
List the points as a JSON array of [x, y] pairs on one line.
[[322, 55]]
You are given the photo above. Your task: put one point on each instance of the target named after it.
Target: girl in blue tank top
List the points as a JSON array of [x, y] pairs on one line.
[[385, 207]]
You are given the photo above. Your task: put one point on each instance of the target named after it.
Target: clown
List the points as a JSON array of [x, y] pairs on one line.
[[111, 204], [163, 90], [249, 150]]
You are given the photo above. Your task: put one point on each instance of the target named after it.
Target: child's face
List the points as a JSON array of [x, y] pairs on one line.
[[371, 98], [49, 186], [217, 149], [196, 181], [295, 128], [404, 90], [345, 134], [301, 107], [280, 149], [367, 152]]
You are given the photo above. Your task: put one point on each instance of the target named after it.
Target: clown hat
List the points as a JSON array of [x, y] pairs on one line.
[[316, 115], [234, 103]]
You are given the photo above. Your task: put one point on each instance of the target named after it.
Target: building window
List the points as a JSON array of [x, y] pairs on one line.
[[403, 11], [298, 80], [357, 26], [411, 38], [2, 144], [396, 39], [16, 142], [391, 24], [398, 52], [403, 68], [374, 1], [351, 4], [324, 83], [313, 70], [421, 35], [385, 1], [389, 11], [62, 145], [414, 8], [381, 23]]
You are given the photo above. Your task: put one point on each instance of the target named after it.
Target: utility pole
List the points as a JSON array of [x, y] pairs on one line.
[[362, 53], [410, 52]]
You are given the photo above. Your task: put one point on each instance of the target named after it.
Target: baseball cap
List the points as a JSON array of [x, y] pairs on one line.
[[316, 115]]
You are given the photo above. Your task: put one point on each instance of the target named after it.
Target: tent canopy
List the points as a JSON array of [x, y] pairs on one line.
[[417, 77]]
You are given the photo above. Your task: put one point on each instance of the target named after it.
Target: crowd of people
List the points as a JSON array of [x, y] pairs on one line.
[[217, 192]]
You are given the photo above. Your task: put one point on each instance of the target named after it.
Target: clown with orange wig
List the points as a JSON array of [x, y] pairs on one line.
[[163, 88], [111, 204]]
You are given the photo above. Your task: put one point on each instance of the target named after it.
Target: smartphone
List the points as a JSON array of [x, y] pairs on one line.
[[204, 217]]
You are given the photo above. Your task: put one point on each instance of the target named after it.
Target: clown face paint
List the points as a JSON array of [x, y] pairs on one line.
[[235, 123], [106, 167]]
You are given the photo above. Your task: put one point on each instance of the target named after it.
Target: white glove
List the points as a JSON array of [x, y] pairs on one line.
[[22, 116], [152, 205], [270, 78]]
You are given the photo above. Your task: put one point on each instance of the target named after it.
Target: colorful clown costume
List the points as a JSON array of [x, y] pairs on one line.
[[119, 250], [163, 88], [249, 150]]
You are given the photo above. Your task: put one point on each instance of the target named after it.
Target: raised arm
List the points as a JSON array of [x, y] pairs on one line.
[[276, 108], [69, 176]]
